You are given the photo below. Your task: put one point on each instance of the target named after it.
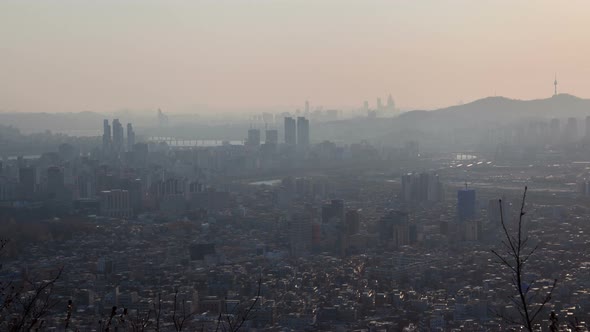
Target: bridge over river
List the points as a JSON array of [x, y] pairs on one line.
[[181, 142]]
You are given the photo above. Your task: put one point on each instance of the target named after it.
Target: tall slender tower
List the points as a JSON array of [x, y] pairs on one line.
[[130, 137], [118, 136], [555, 85], [290, 131], [302, 131], [106, 135]]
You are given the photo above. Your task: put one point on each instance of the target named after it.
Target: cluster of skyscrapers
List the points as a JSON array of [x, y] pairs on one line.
[[331, 228], [115, 142], [297, 132], [271, 138], [422, 187], [380, 107]]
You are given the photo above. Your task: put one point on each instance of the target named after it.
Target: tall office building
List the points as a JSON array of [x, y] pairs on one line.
[[379, 104], [465, 204], [290, 131], [106, 135], [302, 131], [115, 204], [85, 186], [130, 137], [307, 107], [422, 187], [118, 135], [436, 191], [253, 137], [394, 229]]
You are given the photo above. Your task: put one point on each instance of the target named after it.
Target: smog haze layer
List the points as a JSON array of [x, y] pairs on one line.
[[215, 56]]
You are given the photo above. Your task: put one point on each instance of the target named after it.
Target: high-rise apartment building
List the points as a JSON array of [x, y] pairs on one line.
[[106, 135], [290, 131], [115, 204], [130, 137], [118, 135], [465, 204], [302, 131], [422, 187], [394, 229]]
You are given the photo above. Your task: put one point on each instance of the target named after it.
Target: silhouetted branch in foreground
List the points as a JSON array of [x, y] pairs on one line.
[[23, 305], [140, 322], [235, 322], [515, 254], [31, 306], [180, 315]]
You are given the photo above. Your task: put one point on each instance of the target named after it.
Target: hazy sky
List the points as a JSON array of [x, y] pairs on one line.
[[247, 54]]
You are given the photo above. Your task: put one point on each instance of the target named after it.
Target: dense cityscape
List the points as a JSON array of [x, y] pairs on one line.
[[280, 232], [294, 165]]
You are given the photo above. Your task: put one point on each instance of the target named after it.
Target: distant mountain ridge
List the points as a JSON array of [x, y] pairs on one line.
[[477, 116], [502, 109], [459, 124]]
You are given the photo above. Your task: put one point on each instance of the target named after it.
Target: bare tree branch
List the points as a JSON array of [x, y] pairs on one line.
[[158, 312], [515, 258], [34, 305]]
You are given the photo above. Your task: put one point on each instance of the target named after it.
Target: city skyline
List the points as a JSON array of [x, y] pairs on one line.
[[229, 56], [266, 165]]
